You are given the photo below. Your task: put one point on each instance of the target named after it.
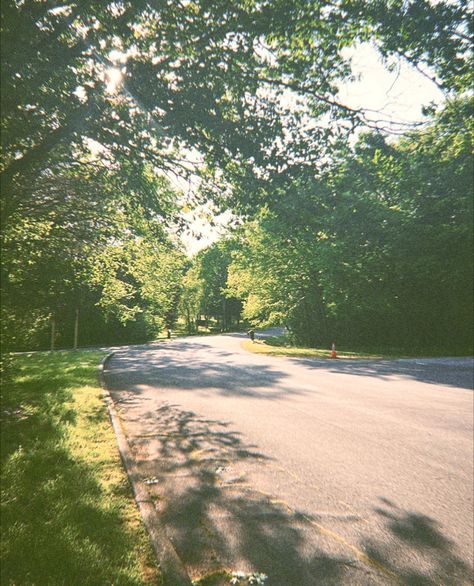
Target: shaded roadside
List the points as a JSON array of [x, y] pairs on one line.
[[196, 468], [454, 372]]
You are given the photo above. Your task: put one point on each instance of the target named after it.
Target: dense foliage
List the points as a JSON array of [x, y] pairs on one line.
[[80, 241], [101, 101], [205, 75], [376, 252], [205, 300]]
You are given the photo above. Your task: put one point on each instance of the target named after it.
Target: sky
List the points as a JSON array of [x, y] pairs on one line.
[[396, 95]]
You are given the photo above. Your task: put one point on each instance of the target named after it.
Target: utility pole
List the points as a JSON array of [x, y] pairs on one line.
[[76, 329], [53, 331], [224, 314]]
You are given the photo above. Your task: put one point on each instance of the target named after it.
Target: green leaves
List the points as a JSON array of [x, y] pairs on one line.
[[248, 90], [377, 251], [205, 290], [139, 277], [211, 76], [78, 237]]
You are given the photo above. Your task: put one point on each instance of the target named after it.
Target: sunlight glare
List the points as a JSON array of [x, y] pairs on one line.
[[113, 78]]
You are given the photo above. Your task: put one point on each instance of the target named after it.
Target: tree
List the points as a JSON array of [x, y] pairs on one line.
[[249, 90], [205, 287], [140, 277], [75, 219], [191, 299], [277, 276], [375, 253], [210, 76]]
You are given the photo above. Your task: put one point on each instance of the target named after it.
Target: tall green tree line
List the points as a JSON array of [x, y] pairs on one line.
[[200, 76], [205, 299], [80, 241], [378, 251]]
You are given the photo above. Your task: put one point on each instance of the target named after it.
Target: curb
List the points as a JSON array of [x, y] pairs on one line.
[[171, 566]]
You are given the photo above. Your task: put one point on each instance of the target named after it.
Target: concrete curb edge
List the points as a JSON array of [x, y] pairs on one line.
[[172, 568]]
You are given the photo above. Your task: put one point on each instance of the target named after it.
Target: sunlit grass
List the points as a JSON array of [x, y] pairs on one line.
[[280, 346], [68, 516]]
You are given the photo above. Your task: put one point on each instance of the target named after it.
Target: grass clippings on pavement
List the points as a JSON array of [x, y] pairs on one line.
[[68, 515]]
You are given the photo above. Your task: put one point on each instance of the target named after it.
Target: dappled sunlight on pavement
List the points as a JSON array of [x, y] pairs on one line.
[[292, 467]]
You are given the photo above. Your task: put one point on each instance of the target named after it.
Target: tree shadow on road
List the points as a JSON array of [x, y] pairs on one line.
[[418, 552], [200, 473], [459, 373], [176, 369], [197, 470], [214, 518]]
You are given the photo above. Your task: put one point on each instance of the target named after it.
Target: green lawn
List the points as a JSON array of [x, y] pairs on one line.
[[280, 346], [68, 516]]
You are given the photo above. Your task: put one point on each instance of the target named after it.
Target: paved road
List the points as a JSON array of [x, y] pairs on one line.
[[313, 472]]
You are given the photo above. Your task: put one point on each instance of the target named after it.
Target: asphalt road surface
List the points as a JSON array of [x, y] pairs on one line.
[[310, 471]]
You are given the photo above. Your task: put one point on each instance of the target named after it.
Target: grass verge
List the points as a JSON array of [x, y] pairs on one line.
[[279, 346], [68, 515]]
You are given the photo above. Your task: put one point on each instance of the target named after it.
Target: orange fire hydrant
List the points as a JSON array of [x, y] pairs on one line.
[[333, 351]]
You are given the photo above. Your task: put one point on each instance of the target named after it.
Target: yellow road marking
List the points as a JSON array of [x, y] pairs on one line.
[[301, 481], [360, 555], [357, 552]]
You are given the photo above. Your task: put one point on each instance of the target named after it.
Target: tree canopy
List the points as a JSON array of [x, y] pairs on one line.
[[104, 102], [378, 251], [212, 76]]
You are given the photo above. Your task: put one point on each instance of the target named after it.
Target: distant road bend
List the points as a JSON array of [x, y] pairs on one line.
[[310, 471]]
